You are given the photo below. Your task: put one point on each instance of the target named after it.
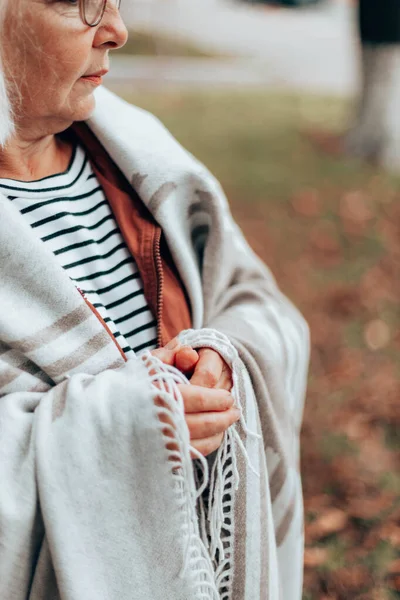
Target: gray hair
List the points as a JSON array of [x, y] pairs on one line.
[[6, 118]]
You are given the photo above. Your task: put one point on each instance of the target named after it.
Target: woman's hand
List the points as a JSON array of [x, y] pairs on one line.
[[205, 367], [208, 402], [176, 355], [211, 371], [209, 413]]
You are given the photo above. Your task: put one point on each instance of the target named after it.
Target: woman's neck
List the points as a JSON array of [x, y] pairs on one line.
[[27, 160]]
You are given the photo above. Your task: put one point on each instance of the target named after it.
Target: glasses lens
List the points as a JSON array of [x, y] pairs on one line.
[[93, 10]]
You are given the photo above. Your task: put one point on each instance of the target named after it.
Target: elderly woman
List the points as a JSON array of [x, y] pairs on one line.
[[138, 335]]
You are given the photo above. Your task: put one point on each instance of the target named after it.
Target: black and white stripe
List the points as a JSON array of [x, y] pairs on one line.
[[71, 214]]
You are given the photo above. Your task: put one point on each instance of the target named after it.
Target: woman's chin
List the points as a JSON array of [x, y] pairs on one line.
[[83, 108]]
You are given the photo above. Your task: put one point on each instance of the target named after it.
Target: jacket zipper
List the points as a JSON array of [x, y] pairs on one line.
[[160, 292], [100, 318], [160, 286]]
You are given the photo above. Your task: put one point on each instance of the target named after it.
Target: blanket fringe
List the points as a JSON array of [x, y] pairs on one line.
[[208, 532], [219, 510], [196, 565]]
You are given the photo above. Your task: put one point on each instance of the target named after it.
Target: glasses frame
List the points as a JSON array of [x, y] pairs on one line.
[[100, 18]]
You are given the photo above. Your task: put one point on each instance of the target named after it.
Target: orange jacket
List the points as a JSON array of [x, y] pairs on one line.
[[162, 284]]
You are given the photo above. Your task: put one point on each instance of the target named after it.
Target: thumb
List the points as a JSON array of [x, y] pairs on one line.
[[186, 359]]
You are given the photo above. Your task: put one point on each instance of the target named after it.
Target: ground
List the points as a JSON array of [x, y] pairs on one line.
[[330, 231]]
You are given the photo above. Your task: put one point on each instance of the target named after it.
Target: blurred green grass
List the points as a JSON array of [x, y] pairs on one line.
[[252, 140], [143, 43]]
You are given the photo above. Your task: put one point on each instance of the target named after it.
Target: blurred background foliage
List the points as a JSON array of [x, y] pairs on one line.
[[143, 43], [328, 226]]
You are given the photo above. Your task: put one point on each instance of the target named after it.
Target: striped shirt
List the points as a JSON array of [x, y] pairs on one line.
[[70, 213]]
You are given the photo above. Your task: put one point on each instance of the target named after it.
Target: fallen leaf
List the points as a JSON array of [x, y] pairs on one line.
[[344, 302], [324, 238], [377, 334], [356, 228], [331, 521], [394, 567], [369, 508], [357, 427], [391, 533], [317, 502], [394, 583], [347, 368], [356, 206], [325, 246], [377, 287], [351, 579], [315, 557], [307, 203]]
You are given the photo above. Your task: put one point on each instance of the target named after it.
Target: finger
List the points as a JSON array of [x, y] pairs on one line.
[[208, 445], [203, 425], [186, 359], [166, 356], [225, 382], [209, 368], [200, 399], [168, 352], [173, 344]]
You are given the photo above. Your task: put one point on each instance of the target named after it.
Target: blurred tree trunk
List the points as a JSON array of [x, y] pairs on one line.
[[375, 131]]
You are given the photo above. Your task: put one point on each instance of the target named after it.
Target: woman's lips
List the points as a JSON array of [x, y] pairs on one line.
[[95, 79]]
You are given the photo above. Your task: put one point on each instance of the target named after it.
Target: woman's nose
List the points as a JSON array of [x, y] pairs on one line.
[[112, 29]]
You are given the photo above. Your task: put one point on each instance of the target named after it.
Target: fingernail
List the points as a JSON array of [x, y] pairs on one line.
[[238, 413]]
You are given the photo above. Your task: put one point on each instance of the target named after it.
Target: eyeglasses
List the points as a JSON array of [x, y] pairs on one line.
[[92, 11]]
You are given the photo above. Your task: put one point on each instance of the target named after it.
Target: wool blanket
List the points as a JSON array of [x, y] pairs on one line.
[[94, 504]]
